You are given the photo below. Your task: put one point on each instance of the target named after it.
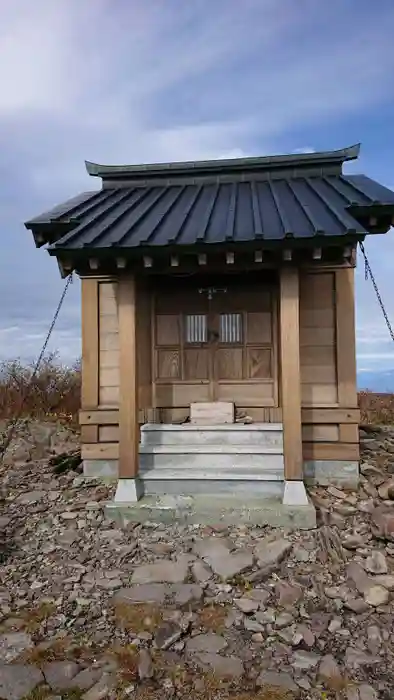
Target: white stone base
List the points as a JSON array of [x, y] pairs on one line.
[[129, 491], [295, 494]]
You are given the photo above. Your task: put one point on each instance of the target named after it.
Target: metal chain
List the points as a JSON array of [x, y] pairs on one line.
[[369, 273], [9, 433]]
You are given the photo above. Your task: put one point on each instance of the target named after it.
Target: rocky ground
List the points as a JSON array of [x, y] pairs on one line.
[[211, 613]]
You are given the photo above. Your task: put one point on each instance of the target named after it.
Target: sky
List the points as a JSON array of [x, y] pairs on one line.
[[132, 81]]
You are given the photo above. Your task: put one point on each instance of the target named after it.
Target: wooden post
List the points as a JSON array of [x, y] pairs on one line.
[[290, 373], [128, 396], [346, 338]]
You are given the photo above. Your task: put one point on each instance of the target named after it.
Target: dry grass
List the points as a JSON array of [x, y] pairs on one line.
[[31, 620], [212, 617], [54, 391], [376, 409], [141, 617]]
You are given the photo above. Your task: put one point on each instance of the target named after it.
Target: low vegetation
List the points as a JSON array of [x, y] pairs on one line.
[[54, 392]]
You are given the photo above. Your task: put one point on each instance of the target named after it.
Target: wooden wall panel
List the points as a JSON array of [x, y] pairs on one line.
[[317, 339], [346, 338], [90, 343], [109, 377]]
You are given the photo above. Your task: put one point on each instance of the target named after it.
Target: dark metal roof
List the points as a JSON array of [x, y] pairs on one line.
[[212, 202], [215, 213]]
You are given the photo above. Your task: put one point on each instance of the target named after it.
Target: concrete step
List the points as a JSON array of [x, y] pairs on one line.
[[269, 435], [206, 509], [179, 486], [248, 473], [189, 460]]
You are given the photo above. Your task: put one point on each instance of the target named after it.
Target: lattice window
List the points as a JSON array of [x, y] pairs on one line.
[[231, 328]]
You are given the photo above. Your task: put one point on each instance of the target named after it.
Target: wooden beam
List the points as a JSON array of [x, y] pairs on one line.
[[317, 253], [174, 261], [128, 394], [90, 343], [258, 256], [290, 372], [202, 259], [330, 415], [287, 255], [121, 263], [93, 263], [148, 262], [346, 338], [230, 258], [373, 221]]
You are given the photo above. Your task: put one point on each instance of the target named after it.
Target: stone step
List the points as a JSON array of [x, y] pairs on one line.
[[179, 486], [246, 473], [224, 461], [269, 435]]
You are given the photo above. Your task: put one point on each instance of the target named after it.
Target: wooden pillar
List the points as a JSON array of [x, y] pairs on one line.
[[346, 338], [128, 394], [290, 372]]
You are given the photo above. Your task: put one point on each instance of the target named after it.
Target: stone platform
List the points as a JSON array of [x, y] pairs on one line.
[[213, 510]]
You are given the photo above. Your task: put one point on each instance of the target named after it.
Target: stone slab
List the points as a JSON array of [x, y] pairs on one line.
[[18, 680], [215, 412], [206, 509], [105, 469], [327, 472]]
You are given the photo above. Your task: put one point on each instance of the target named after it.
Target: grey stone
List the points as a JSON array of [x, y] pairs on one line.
[[376, 563], [329, 669], [13, 644], [366, 692], [382, 523], [374, 639], [276, 679], [31, 497], [247, 605], [386, 580], [18, 680], [376, 595], [259, 594], [101, 689], [68, 537], [305, 660], [145, 593], [84, 680], [271, 553], [162, 572], [201, 572], [253, 625], [228, 565], [185, 593], [145, 665], [167, 634], [359, 577], [210, 643], [283, 620], [222, 666], [59, 674], [212, 547], [355, 658]]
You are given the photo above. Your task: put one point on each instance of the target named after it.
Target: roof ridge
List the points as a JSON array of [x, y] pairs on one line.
[[248, 163]]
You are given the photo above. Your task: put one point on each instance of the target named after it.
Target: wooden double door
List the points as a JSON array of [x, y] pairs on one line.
[[215, 341]]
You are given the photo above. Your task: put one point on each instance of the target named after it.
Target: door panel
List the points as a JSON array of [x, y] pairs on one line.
[[216, 343]]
